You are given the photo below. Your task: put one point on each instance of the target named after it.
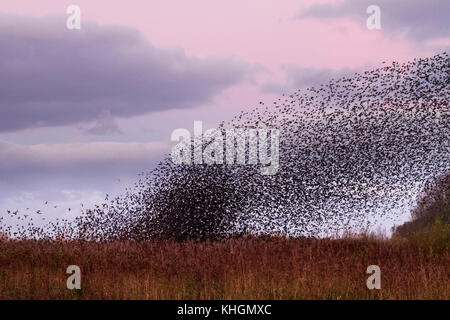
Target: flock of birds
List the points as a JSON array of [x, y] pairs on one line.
[[353, 151]]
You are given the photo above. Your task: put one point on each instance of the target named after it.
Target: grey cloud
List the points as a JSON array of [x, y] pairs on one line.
[[53, 76], [74, 165], [273, 87], [15, 157], [422, 20], [105, 125], [83, 166], [300, 78]]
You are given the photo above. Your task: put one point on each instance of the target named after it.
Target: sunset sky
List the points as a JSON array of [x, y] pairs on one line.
[[82, 112]]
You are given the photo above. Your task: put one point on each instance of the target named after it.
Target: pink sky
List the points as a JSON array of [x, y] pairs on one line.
[[260, 31]]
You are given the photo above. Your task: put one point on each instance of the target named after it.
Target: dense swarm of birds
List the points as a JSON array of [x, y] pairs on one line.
[[435, 193], [432, 210], [352, 151]]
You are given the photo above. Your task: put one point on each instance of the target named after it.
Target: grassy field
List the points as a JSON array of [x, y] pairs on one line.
[[236, 268]]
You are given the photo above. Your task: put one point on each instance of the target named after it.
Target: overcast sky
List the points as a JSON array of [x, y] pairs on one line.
[[83, 111]]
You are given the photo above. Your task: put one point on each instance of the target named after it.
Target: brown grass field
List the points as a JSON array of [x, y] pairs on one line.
[[236, 268]]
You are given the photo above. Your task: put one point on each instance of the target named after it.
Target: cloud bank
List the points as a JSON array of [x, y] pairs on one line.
[[52, 76], [420, 20]]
